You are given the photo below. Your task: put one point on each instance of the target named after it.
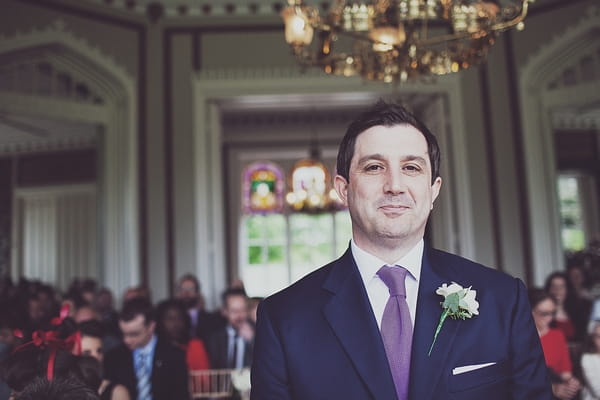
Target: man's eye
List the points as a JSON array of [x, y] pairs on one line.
[[412, 168], [373, 167]]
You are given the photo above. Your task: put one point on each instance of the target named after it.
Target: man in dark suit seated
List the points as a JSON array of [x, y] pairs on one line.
[[150, 368], [203, 322], [231, 346], [371, 325]]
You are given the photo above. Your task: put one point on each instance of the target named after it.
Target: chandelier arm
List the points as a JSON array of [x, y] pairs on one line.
[[519, 18]]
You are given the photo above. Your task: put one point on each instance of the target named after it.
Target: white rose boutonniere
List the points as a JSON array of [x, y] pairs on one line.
[[459, 303]]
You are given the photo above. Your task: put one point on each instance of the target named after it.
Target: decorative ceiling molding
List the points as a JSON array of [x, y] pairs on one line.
[[156, 9], [576, 119], [53, 64], [27, 134], [57, 32], [579, 37]]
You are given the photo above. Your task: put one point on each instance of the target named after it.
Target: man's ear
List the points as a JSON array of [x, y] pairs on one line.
[[152, 325], [341, 187], [435, 189]]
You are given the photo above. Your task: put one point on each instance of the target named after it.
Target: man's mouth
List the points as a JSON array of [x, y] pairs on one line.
[[394, 207]]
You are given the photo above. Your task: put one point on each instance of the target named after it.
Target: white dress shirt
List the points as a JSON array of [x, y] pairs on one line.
[[590, 364], [377, 291]]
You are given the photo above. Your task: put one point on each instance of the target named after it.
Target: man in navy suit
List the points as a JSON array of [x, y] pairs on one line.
[[165, 374], [321, 338]]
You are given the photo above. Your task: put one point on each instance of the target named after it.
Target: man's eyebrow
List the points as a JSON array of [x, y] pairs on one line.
[[369, 157], [381, 157]]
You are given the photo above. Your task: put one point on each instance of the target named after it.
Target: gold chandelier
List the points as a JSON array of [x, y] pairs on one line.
[[398, 40]]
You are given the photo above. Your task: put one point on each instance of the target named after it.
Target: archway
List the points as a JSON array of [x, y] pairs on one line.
[[106, 98]]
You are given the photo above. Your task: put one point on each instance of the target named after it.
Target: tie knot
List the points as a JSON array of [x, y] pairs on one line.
[[394, 277]]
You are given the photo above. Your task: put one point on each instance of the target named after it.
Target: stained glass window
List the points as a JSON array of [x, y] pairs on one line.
[[262, 188]]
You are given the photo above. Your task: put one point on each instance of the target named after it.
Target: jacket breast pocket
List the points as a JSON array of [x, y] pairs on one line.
[[489, 381]]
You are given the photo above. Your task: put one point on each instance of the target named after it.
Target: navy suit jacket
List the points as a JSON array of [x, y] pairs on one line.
[[318, 339], [217, 346], [169, 378]]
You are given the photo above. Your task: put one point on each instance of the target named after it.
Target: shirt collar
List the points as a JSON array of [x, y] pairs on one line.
[[148, 348], [368, 264]]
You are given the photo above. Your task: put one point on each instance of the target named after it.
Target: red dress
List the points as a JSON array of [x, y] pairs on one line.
[[196, 356], [556, 351], [197, 361]]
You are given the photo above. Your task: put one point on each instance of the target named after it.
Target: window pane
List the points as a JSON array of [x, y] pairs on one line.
[[254, 255], [573, 236], [276, 255], [311, 229], [254, 226], [314, 240], [275, 228]]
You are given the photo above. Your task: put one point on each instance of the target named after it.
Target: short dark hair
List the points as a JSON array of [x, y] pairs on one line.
[[388, 115], [536, 296], [232, 292], [28, 363], [137, 306], [92, 328], [57, 389]]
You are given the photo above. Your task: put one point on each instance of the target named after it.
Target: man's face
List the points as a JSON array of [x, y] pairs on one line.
[[187, 293], [389, 192], [137, 333], [174, 323], [236, 310]]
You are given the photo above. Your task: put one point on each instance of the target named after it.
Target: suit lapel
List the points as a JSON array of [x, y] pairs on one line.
[[426, 370], [350, 316]]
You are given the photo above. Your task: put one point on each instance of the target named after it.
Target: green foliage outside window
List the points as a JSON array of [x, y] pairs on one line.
[[572, 232], [281, 249]]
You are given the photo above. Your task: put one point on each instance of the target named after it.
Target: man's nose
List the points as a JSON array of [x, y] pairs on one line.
[[394, 182]]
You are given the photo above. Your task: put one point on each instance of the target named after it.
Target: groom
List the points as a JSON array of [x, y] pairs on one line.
[[362, 327]]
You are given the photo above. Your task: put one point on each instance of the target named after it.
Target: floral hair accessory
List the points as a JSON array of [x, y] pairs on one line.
[[459, 303]]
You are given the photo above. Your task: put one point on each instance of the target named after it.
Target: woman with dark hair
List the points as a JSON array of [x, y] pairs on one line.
[[554, 345], [173, 324], [49, 354], [571, 312], [24, 365], [92, 333]]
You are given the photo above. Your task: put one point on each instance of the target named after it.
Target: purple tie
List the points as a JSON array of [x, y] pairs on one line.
[[396, 328]]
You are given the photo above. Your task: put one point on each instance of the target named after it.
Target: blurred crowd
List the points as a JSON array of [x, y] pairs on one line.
[[566, 312], [79, 343]]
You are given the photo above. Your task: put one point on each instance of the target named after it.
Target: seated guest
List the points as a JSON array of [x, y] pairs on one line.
[[149, 367], [590, 365], [48, 358], [580, 281], [231, 346], [91, 345], [203, 323], [554, 345], [173, 324], [572, 313], [41, 388]]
